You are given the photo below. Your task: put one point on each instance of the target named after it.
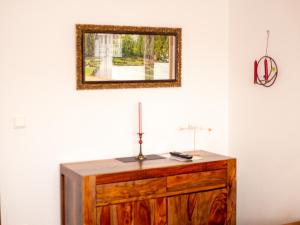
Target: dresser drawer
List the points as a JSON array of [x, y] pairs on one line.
[[129, 191], [197, 181]]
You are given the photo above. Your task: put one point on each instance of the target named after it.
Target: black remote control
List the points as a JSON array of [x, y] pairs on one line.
[[181, 155]]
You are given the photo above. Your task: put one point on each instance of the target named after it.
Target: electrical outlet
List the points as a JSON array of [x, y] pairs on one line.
[[19, 123]]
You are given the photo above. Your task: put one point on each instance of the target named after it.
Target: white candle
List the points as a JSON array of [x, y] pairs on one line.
[[140, 117]]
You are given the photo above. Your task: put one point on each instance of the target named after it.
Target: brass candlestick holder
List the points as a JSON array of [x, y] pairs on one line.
[[140, 156]]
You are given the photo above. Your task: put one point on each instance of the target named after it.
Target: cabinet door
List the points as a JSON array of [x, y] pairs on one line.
[[202, 208], [145, 212]]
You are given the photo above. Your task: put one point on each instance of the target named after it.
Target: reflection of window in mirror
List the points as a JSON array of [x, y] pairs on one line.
[[128, 57]]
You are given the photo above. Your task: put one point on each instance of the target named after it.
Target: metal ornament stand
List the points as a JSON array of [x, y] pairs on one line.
[[140, 156], [195, 129]]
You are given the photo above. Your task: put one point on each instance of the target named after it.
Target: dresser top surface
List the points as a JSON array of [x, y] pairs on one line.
[[111, 166]]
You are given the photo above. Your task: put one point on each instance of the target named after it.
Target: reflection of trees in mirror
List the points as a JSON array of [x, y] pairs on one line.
[[103, 52], [91, 65], [89, 44], [149, 57], [133, 46]]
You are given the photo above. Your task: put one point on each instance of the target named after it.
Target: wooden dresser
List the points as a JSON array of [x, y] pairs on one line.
[[152, 192]]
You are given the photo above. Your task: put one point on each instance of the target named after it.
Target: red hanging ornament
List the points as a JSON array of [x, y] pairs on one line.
[[266, 70], [255, 71], [269, 77]]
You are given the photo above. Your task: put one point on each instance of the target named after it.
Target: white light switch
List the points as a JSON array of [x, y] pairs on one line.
[[19, 122]]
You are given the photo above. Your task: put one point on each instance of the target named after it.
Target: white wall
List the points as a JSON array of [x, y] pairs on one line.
[[37, 69], [264, 122]]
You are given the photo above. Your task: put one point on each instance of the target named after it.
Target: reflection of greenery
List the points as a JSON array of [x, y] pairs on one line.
[[133, 46], [92, 61], [133, 51], [89, 44], [139, 47], [91, 65], [149, 57], [89, 71], [128, 46], [161, 48], [128, 61]]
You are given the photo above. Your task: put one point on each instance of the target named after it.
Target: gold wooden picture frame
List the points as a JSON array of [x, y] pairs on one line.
[[110, 57]]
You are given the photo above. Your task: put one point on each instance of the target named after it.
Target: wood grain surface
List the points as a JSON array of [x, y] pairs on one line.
[[130, 190], [112, 167], [203, 208], [71, 201], [231, 189], [205, 179], [88, 199], [146, 212]]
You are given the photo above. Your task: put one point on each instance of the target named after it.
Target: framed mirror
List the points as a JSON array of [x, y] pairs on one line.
[[127, 56]]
